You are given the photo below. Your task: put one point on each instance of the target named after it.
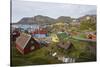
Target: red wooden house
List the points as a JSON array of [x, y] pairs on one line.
[[40, 31], [25, 43]]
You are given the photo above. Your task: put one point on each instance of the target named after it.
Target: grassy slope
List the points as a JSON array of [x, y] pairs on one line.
[[40, 56], [80, 51]]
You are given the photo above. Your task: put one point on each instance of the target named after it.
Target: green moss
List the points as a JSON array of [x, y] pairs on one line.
[[79, 51]]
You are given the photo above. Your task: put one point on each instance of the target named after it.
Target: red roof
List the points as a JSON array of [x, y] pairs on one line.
[[39, 31], [22, 40]]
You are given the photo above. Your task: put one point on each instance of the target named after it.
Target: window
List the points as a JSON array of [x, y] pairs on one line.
[[32, 42], [32, 48]]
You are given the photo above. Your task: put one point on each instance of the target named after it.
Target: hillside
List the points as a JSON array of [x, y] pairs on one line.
[[43, 20]]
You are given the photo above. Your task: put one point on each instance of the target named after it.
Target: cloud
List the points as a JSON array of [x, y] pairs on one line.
[[22, 9]]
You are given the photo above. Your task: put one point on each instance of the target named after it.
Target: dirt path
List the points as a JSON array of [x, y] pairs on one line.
[[82, 39]]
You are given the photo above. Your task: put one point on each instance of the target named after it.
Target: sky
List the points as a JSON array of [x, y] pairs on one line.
[[22, 9]]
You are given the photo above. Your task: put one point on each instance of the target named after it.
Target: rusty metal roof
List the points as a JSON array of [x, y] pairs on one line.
[[23, 39]]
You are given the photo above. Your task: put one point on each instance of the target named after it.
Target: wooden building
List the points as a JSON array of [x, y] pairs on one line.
[[25, 43], [65, 45], [39, 33]]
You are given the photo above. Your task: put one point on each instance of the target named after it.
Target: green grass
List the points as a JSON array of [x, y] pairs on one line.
[[80, 36], [37, 57], [83, 52], [62, 36], [80, 51]]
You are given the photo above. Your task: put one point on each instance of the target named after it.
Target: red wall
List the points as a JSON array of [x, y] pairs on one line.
[[20, 49], [27, 48]]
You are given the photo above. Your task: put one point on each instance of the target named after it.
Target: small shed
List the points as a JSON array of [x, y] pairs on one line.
[[65, 45], [54, 38], [91, 36], [25, 43]]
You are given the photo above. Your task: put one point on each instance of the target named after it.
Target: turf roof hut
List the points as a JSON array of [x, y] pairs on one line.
[[63, 35], [65, 45], [25, 43]]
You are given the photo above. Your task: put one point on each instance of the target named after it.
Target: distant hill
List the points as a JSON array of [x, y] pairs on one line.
[[64, 19], [39, 19], [93, 17], [26, 20], [43, 20]]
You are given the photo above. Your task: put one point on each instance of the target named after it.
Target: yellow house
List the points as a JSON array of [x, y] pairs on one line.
[[54, 38]]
